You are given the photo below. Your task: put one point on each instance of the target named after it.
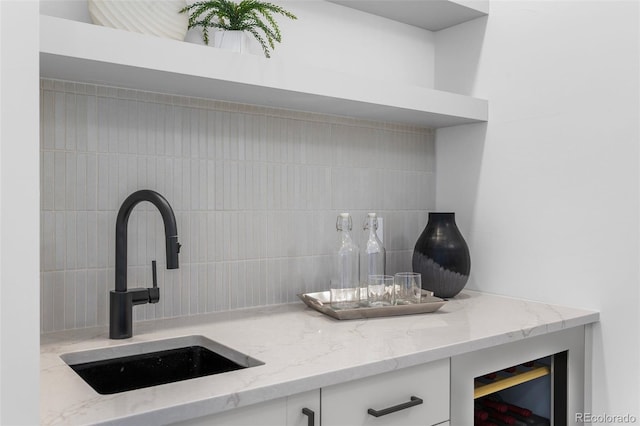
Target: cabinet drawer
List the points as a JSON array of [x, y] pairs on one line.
[[279, 412], [348, 404]]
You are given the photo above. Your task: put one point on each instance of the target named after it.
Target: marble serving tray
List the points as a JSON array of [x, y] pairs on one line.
[[320, 302]]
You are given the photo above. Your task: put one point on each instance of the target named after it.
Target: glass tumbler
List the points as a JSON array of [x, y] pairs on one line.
[[380, 290], [408, 288]]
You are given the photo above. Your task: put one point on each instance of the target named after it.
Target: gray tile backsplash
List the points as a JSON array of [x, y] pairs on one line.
[[255, 190]]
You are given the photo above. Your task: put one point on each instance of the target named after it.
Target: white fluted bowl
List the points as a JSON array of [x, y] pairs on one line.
[[154, 17]]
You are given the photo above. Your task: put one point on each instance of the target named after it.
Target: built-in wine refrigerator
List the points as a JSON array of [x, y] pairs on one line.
[[528, 394], [532, 381]]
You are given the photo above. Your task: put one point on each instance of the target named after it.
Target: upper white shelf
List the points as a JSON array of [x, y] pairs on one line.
[[77, 51], [433, 15]]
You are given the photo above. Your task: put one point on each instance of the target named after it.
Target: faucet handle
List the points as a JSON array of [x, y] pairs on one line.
[[154, 292]]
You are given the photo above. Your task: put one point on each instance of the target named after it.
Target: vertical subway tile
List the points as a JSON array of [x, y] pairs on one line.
[[60, 121], [70, 122], [92, 239], [48, 120], [47, 167], [186, 132], [91, 181], [103, 182], [226, 237], [81, 182], [194, 185], [47, 244], [177, 131], [210, 236], [235, 287], [60, 241], [211, 284], [152, 129], [81, 123], [47, 307], [70, 181], [200, 224], [102, 296], [71, 242], [129, 133], [219, 185], [92, 299], [114, 177], [221, 288], [202, 287], [58, 301], [174, 279], [210, 133], [241, 186], [69, 300], [185, 291], [103, 234], [92, 124], [81, 240], [59, 190], [241, 284], [102, 125], [211, 185], [185, 178], [113, 125], [202, 184], [81, 299], [220, 246], [193, 289], [142, 128], [169, 131]]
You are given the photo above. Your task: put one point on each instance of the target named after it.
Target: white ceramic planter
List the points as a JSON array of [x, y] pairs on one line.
[[154, 17], [235, 41]]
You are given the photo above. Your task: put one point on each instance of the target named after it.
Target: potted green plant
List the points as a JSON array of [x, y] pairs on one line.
[[253, 16]]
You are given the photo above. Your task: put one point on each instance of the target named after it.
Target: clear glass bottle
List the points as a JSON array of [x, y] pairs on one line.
[[374, 257], [345, 284]]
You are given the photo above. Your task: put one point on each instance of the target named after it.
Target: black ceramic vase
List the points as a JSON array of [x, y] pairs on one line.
[[442, 256]]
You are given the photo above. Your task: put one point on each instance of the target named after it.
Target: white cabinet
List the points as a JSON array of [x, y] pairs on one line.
[[279, 412], [407, 397], [398, 393]]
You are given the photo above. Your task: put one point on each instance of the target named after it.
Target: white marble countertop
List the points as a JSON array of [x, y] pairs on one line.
[[302, 350]]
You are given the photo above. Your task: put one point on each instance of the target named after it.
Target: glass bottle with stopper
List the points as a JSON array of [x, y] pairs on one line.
[[345, 284]]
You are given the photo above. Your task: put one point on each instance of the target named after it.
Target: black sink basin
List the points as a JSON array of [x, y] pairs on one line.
[[112, 370]]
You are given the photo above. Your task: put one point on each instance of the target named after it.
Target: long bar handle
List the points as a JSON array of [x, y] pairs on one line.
[[379, 413], [310, 416]]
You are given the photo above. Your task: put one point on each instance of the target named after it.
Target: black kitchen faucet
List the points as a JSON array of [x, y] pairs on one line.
[[121, 299]]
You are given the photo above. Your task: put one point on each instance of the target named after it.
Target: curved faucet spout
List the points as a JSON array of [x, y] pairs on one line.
[[170, 232], [122, 299]]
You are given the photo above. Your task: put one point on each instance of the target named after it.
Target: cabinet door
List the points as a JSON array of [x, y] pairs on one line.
[[349, 404], [279, 412], [310, 402]]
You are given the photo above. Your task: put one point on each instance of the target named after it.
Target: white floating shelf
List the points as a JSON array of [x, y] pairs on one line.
[[433, 15], [81, 52]]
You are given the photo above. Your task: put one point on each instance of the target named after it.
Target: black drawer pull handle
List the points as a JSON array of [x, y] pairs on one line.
[[311, 416], [379, 413]]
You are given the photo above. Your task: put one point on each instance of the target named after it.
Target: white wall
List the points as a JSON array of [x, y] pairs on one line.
[[19, 201], [547, 192]]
